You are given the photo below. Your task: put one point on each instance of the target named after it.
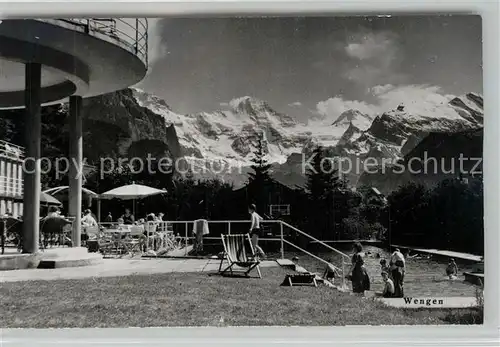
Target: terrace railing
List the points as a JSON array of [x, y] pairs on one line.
[[274, 231], [131, 33]]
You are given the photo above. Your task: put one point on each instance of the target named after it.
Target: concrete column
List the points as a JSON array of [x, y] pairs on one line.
[[76, 167], [32, 185]]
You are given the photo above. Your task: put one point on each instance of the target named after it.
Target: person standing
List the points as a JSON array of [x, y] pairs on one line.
[[88, 220], [357, 273], [255, 230], [398, 268], [452, 269]]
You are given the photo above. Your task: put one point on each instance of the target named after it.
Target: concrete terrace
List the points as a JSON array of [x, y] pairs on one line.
[[119, 267]]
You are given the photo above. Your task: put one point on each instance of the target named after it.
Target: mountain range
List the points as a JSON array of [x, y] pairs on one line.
[[229, 136], [133, 123]]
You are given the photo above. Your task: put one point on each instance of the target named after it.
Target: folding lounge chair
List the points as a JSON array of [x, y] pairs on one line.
[[236, 254]]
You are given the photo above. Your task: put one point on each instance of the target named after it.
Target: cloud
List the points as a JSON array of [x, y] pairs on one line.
[[417, 99], [224, 104], [374, 58], [380, 89], [157, 48], [295, 104], [333, 107], [371, 45]]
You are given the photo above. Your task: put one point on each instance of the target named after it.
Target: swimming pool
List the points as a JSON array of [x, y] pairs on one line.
[[424, 277]]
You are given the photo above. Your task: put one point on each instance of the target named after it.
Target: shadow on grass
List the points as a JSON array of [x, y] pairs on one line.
[[233, 275]]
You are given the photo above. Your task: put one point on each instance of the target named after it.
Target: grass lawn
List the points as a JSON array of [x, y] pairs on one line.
[[198, 299]]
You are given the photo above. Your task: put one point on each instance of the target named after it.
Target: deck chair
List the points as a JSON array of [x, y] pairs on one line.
[[238, 251]]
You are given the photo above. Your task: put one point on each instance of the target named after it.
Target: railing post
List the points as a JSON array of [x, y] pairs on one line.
[[4, 233], [229, 227], [136, 35], [186, 240], [343, 273], [282, 243], [146, 229]]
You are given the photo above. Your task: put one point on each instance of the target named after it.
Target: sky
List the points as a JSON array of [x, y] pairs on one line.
[[312, 66]]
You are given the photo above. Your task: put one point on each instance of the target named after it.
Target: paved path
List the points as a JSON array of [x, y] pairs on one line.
[[118, 267]]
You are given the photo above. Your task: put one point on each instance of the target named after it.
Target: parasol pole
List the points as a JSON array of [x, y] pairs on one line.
[[133, 204], [98, 210]]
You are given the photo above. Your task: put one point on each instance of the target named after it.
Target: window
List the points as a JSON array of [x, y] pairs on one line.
[[279, 210]]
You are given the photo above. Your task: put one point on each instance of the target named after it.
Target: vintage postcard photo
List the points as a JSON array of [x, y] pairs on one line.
[[241, 171]]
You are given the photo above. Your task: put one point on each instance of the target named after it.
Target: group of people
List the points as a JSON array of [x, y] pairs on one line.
[[392, 274], [128, 218]]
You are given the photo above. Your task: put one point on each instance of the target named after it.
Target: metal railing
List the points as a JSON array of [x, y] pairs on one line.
[[129, 32], [185, 235]]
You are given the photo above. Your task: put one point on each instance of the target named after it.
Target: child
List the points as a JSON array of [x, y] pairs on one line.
[[330, 273], [388, 285], [383, 266], [452, 269]]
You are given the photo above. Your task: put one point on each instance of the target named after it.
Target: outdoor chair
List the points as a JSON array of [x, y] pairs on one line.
[[154, 237], [94, 240], [134, 240], [108, 243], [239, 252], [13, 233], [52, 231]]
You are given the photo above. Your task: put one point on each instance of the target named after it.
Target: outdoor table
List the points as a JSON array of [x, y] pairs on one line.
[[117, 236], [120, 234]]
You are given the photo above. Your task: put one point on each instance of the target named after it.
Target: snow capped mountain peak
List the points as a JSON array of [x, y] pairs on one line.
[[230, 135], [248, 104], [259, 111], [355, 117], [149, 100]]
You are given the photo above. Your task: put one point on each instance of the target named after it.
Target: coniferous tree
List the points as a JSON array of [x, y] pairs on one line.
[[260, 164], [323, 185], [260, 178]]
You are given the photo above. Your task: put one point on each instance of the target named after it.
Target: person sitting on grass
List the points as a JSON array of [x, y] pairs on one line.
[[388, 291], [452, 269], [331, 273]]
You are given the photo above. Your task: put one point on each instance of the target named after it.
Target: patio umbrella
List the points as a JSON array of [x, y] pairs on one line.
[[64, 190], [48, 199], [61, 189], [131, 192]]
